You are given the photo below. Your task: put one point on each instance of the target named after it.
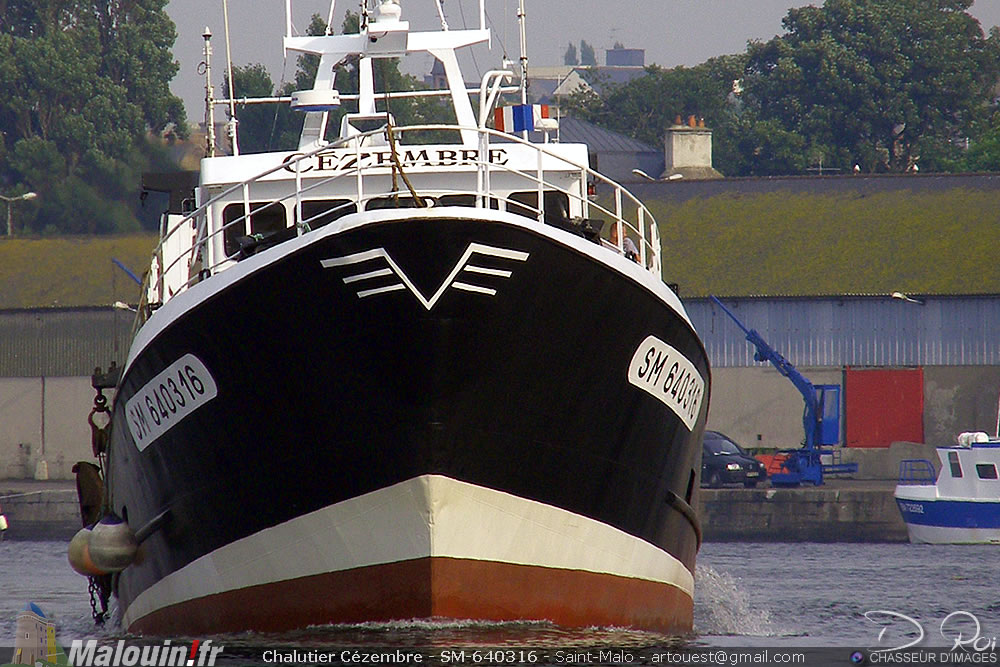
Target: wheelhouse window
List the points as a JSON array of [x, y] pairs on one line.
[[319, 212], [956, 467], [526, 204], [396, 202], [986, 470], [265, 218], [464, 200]]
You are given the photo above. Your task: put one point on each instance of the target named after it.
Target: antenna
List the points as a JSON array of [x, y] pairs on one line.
[[209, 97], [329, 18], [998, 420], [439, 4], [231, 125], [524, 54]]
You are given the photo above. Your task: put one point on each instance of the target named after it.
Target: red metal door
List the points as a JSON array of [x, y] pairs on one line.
[[883, 406]]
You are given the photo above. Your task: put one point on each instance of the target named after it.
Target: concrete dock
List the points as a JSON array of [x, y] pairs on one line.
[[839, 511], [39, 510]]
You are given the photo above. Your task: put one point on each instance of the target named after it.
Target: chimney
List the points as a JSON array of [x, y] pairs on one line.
[[687, 150], [622, 57]]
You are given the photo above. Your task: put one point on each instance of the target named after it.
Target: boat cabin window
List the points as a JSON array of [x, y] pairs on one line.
[[265, 218], [986, 470], [319, 212], [354, 124], [956, 467], [526, 204], [396, 202], [464, 200], [444, 200]]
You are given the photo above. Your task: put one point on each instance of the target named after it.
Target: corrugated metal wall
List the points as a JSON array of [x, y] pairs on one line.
[[813, 331], [62, 342], [855, 331]]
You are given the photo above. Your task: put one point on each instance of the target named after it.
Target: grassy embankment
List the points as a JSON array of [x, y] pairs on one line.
[[71, 271], [804, 244], [772, 244]]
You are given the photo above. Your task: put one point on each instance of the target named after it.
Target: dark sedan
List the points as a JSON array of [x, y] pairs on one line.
[[725, 462]]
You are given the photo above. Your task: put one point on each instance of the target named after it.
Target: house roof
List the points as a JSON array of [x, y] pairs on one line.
[[547, 82], [34, 609], [600, 140]]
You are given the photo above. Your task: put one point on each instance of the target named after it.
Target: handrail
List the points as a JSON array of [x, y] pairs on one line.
[[617, 214], [624, 201], [917, 472]]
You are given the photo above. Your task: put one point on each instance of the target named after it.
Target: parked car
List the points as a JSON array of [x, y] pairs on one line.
[[725, 462]]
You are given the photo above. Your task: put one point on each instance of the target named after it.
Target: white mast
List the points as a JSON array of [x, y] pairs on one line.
[[440, 7], [524, 53], [524, 65], [231, 125], [329, 18]]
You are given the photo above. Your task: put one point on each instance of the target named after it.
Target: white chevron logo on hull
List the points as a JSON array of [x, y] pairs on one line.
[[390, 268]]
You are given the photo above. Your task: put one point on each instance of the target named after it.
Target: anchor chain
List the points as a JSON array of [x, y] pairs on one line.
[[99, 419], [101, 591]]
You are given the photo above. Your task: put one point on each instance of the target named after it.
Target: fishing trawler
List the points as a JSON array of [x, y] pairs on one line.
[[961, 503], [384, 378]]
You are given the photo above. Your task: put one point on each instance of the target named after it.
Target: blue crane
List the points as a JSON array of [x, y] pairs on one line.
[[820, 418]]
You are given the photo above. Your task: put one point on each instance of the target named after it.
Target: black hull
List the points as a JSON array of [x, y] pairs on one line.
[[323, 396]]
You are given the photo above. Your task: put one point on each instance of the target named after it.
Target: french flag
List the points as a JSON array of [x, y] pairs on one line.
[[520, 117]]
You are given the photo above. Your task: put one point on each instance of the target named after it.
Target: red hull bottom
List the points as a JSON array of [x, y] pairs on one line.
[[437, 587]]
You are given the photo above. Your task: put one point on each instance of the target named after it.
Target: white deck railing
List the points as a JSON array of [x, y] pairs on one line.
[[621, 208]]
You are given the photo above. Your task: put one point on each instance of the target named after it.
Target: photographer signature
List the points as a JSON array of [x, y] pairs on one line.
[[962, 628]]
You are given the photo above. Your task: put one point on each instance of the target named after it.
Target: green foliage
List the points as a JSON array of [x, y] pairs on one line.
[[258, 123], [983, 154], [874, 82], [787, 243], [646, 106], [570, 57], [84, 83], [748, 147], [587, 56], [882, 84]]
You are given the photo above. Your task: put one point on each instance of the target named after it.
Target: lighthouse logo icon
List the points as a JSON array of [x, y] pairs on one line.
[[35, 639]]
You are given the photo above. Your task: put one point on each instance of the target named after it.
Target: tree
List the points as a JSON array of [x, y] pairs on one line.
[[587, 57], [984, 153], [570, 57], [646, 106], [874, 82], [85, 83], [136, 37], [257, 122]]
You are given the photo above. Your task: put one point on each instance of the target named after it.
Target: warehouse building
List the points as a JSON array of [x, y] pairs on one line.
[[914, 369], [810, 263]]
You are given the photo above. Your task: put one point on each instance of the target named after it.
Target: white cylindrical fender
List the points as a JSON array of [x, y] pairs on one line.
[[112, 544]]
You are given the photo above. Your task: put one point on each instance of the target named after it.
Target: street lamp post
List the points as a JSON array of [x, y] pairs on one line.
[[10, 204]]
